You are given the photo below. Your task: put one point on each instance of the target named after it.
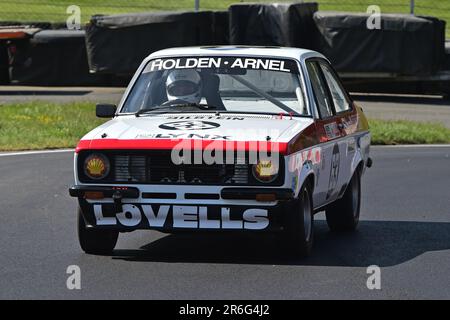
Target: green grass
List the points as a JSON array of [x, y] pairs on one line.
[[31, 126], [407, 132], [55, 10], [39, 125]]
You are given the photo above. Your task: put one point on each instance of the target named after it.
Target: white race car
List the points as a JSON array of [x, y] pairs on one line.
[[224, 138]]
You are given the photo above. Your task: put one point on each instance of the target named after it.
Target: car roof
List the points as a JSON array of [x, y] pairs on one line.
[[292, 53]]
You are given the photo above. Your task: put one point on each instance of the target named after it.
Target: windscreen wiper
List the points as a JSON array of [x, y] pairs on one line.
[[149, 110], [201, 106]]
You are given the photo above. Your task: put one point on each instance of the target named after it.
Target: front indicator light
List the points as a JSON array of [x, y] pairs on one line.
[[265, 171], [96, 166], [94, 195], [266, 197]]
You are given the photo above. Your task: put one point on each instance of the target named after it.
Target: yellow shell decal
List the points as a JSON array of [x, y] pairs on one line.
[[265, 169], [96, 167]]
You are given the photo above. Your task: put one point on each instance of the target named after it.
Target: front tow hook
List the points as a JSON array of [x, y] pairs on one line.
[[117, 197]]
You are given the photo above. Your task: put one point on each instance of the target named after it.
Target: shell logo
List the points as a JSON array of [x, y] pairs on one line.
[[265, 168], [96, 167]]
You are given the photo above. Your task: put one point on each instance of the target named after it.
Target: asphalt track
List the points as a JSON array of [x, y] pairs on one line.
[[405, 230]]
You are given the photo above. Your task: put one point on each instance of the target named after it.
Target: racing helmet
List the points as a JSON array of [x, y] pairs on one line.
[[185, 85]]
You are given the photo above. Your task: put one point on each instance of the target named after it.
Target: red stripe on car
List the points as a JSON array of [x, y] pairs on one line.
[[169, 144]]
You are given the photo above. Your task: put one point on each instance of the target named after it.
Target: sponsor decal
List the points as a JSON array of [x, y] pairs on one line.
[[364, 143], [334, 171], [349, 123], [178, 216], [296, 161], [95, 167], [204, 117], [351, 145], [332, 130], [189, 125], [222, 64], [294, 184], [182, 136]]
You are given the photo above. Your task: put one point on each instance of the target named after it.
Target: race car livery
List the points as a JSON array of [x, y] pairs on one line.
[[224, 138]]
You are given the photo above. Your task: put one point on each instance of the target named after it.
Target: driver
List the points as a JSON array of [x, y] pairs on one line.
[[184, 86]]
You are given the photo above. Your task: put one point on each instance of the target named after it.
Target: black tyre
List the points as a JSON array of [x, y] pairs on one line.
[[95, 241], [343, 215], [299, 234]]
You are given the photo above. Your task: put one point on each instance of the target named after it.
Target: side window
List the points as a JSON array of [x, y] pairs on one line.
[[338, 95], [320, 90]]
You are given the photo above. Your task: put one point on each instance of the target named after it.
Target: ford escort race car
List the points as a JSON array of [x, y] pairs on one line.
[[224, 138]]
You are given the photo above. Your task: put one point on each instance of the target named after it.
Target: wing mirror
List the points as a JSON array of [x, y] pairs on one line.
[[103, 110]]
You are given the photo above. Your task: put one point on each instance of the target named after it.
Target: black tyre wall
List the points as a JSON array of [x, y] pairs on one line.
[[284, 24], [117, 44]]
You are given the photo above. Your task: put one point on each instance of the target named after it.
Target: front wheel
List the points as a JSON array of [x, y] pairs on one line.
[[95, 241], [343, 215], [299, 233]]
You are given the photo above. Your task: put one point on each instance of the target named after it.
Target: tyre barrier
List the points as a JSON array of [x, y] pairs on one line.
[[117, 44], [281, 24], [52, 58], [111, 48]]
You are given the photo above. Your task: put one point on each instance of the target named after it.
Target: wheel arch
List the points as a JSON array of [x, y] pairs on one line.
[[357, 164], [306, 176]]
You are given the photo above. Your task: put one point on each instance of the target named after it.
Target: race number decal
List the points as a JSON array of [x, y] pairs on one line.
[[334, 171], [189, 125]]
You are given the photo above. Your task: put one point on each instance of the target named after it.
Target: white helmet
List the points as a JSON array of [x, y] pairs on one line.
[[185, 85]]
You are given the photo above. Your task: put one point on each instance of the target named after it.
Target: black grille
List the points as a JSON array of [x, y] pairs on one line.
[[157, 167]]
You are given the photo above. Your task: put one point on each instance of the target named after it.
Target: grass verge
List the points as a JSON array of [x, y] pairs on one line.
[[38, 125], [407, 132]]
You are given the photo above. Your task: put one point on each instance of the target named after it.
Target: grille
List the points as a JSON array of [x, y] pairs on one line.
[[159, 169]]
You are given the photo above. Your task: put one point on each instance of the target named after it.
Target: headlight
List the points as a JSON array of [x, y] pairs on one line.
[[96, 166], [266, 170]]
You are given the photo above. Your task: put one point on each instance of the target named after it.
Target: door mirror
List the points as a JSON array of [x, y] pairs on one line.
[[105, 110]]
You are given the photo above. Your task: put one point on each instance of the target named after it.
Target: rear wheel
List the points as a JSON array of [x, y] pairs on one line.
[[299, 234], [95, 241], [343, 215]]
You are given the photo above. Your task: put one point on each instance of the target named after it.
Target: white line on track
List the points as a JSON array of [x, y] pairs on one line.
[[23, 153]]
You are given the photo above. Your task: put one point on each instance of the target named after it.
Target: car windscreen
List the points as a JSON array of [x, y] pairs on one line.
[[226, 84]]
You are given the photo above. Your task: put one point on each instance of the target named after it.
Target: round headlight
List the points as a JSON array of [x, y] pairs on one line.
[[265, 171], [96, 166]]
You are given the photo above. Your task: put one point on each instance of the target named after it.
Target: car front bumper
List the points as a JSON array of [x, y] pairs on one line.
[[128, 209]]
